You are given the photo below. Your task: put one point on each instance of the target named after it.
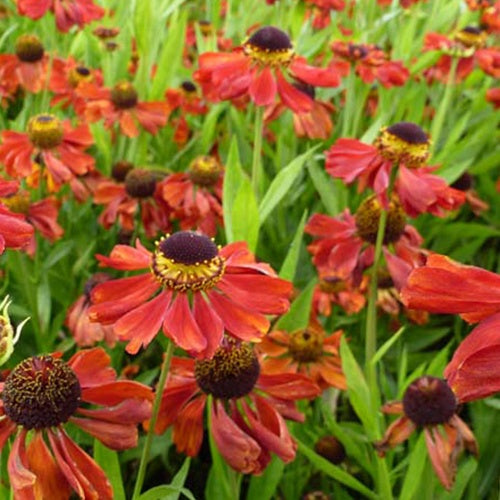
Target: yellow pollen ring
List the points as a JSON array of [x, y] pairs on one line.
[[268, 57], [45, 131], [471, 40], [398, 150], [183, 277]]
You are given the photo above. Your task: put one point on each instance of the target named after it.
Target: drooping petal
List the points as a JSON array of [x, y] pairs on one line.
[[113, 435], [262, 89], [210, 323], [440, 448], [399, 431], [20, 475], [113, 393], [188, 428], [289, 386], [92, 367]]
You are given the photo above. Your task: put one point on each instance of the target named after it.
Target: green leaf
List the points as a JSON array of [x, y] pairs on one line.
[[245, 215], [329, 192], [418, 458], [108, 460], [232, 179], [298, 315], [166, 492], [44, 302], [289, 265], [465, 473], [209, 128], [264, 487], [386, 346], [180, 478], [334, 471], [282, 183]]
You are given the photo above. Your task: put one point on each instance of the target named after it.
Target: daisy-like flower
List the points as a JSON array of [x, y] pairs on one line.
[[121, 105], [135, 190], [40, 395], [370, 63], [78, 322], [193, 290], [247, 408], [68, 13], [321, 11], [55, 144], [258, 69], [465, 183], [310, 351], [406, 146], [25, 68], [196, 196]]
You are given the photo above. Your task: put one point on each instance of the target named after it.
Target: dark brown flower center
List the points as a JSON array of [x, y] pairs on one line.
[[429, 401], [120, 170], [306, 346], [29, 48], [140, 183], [408, 132], [187, 261], [79, 74], [231, 373], [305, 88], [205, 171], [464, 182], [41, 392], [124, 95], [104, 33], [45, 131], [269, 46], [471, 37], [367, 219], [188, 86], [331, 448], [206, 27]]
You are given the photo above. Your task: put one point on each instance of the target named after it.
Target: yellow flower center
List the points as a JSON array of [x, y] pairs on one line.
[[404, 142], [471, 37], [124, 95], [78, 75], [306, 345], [187, 261], [18, 203], [332, 284], [269, 46], [29, 48], [205, 171], [45, 131]]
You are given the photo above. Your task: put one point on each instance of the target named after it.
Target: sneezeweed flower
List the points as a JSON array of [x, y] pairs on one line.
[[404, 146], [431, 404], [68, 13], [310, 351], [120, 105], [15, 232], [247, 408], [196, 196], [331, 448], [27, 67], [40, 395], [258, 69], [193, 290], [85, 332], [465, 183], [134, 193], [320, 10], [55, 144], [8, 338]]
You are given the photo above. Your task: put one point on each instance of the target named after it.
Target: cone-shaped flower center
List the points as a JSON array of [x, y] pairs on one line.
[[120, 170], [332, 284], [429, 401], [331, 448], [45, 131], [188, 87], [464, 182], [18, 203], [269, 46], [41, 392], [29, 48], [124, 95], [187, 261], [404, 142], [205, 171], [306, 346], [140, 183], [206, 27], [471, 36], [231, 373], [367, 219], [79, 74], [357, 52]]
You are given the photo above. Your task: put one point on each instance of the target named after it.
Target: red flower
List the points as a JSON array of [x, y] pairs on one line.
[[121, 105], [445, 286], [255, 69], [247, 410], [15, 232], [78, 322], [40, 395], [406, 145], [227, 288], [493, 96], [55, 144], [68, 12]]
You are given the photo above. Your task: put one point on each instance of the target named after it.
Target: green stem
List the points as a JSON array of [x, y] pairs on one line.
[[437, 122], [350, 95], [257, 150], [152, 423]]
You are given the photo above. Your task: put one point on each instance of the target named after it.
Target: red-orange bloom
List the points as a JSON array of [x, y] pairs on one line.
[[56, 145], [40, 395], [257, 69], [247, 410], [309, 351], [446, 286], [202, 291], [121, 105], [68, 13]]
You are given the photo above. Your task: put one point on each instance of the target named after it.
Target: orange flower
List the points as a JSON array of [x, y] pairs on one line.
[[40, 395], [247, 409], [203, 289]]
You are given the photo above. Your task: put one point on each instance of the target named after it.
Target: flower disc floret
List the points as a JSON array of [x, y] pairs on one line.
[[79, 74], [140, 183], [120, 170], [124, 95], [18, 203], [306, 346], [471, 37], [41, 392], [404, 142], [187, 261], [29, 48], [205, 171], [45, 131], [429, 401], [231, 373], [269, 46]]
